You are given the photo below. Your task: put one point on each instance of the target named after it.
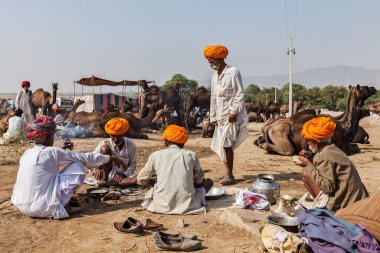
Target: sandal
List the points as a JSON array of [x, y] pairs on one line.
[[151, 225], [227, 181], [131, 226]]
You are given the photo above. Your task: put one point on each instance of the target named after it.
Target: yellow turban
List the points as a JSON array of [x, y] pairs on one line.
[[175, 134], [217, 51], [318, 129], [116, 126]]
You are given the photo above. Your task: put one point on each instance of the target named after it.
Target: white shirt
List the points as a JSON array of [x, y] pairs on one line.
[[16, 124], [22, 101], [227, 95], [127, 154], [177, 170], [35, 190]]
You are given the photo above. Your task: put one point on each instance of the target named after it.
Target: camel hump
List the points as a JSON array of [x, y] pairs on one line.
[[39, 90], [202, 89]]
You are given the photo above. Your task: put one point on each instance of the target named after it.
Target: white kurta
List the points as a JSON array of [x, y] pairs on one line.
[[39, 191], [23, 102], [177, 170], [16, 124], [127, 154], [227, 95]]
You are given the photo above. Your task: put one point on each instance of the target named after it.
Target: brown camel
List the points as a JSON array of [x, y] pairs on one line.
[[361, 135], [199, 98], [169, 97], [284, 108], [374, 108], [284, 135], [44, 100], [69, 115], [271, 110], [135, 124], [255, 110]]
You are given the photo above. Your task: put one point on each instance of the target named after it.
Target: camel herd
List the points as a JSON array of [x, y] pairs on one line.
[[280, 135]]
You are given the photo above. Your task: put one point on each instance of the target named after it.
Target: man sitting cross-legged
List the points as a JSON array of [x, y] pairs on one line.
[[180, 186], [121, 147], [42, 189]]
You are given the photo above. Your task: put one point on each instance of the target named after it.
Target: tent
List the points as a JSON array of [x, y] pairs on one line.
[[100, 101]]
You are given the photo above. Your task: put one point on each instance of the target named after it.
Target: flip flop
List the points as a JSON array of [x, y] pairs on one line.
[[227, 181], [217, 179]]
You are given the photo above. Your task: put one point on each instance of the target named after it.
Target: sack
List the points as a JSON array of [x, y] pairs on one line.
[[276, 239]]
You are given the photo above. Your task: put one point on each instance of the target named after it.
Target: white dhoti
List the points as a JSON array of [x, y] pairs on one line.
[[228, 135], [28, 118], [69, 181]]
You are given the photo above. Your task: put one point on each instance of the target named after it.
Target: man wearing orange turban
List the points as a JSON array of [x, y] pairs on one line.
[[181, 186], [331, 177], [227, 109], [123, 148]]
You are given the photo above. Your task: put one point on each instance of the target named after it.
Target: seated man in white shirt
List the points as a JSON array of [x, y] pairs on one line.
[[180, 186], [121, 147], [42, 188], [15, 125]]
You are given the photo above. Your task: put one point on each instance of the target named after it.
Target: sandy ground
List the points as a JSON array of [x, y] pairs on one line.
[[93, 231]]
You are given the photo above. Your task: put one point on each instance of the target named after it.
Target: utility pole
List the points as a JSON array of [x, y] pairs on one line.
[[275, 94], [291, 52]]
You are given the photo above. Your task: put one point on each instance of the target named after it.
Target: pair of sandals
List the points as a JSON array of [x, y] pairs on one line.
[[134, 226]]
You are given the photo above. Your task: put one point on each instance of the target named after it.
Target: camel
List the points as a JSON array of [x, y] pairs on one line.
[[284, 108], [73, 111], [254, 111], [200, 98], [43, 99], [374, 108], [361, 135], [284, 135], [135, 124], [271, 110], [169, 97]]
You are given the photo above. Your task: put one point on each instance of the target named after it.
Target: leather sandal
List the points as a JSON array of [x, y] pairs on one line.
[[151, 225], [131, 226], [176, 244]]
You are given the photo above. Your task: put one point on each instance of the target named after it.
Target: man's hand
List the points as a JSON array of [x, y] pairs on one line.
[[97, 173], [232, 117], [300, 160], [68, 145], [118, 162]]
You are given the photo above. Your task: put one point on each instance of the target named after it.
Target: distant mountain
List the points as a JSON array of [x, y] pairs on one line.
[[336, 75]]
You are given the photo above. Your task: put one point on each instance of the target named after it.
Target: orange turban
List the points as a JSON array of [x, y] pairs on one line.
[[175, 134], [57, 109], [116, 126], [318, 129], [217, 51]]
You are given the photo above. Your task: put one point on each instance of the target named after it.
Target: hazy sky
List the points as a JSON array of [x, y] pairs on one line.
[[61, 41]]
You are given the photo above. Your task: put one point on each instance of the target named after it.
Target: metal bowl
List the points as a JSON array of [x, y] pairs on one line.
[[288, 223], [97, 191], [215, 193]]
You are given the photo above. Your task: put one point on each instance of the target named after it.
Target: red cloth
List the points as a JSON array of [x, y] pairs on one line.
[[25, 83]]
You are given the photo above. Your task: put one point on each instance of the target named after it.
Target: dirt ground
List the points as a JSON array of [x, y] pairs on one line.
[[93, 231]]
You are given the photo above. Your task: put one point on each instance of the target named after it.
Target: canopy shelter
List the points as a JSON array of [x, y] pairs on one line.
[[100, 101]]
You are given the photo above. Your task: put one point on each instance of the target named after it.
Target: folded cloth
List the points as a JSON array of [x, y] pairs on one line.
[[251, 200], [326, 233]]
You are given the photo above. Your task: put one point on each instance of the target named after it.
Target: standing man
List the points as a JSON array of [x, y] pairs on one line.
[[24, 102], [227, 109]]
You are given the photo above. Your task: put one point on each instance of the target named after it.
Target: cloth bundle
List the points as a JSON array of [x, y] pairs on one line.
[[250, 200]]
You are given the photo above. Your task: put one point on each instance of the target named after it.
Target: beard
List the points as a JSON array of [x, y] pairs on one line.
[[312, 149], [215, 67]]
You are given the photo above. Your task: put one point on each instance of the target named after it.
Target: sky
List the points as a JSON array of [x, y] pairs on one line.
[[62, 41]]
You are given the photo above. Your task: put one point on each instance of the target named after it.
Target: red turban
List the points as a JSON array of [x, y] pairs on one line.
[[175, 134], [318, 128], [25, 83], [217, 51], [116, 126]]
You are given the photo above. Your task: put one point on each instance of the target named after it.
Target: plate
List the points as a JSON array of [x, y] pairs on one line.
[[215, 193], [97, 191]]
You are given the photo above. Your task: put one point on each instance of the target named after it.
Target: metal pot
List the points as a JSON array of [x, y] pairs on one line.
[[265, 184], [284, 205], [288, 223]]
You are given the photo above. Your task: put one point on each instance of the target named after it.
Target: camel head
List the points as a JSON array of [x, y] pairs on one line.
[[79, 101], [361, 93], [55, 86]]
